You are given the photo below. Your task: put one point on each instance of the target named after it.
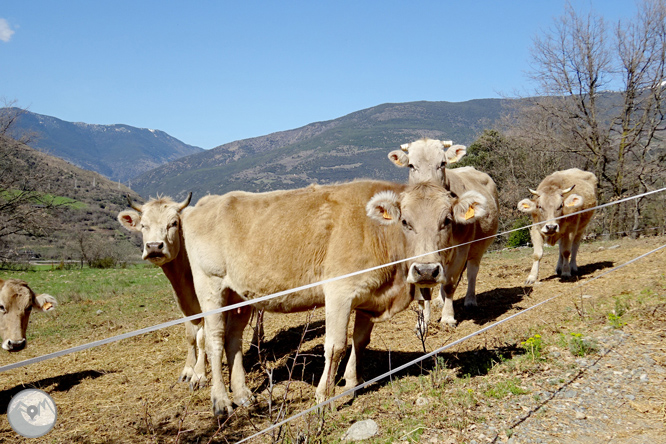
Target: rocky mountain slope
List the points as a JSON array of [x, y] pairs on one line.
[[353, 146]]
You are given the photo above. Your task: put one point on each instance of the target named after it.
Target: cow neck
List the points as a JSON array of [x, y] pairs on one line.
[[179, 273]]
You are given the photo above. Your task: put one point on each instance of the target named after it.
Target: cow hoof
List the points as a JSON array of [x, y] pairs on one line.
[[421, 330], [244, 401], [198, 382], [450, 322], [530, 280], [222, 410]]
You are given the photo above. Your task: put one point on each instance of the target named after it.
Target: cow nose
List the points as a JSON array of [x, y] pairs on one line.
[[426, 273], [16, 345], [550, 228], [154, 247]]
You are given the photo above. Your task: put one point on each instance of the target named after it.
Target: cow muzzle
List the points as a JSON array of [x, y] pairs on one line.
[[14, 346], [550, 229], [153, 250], [426, 275]]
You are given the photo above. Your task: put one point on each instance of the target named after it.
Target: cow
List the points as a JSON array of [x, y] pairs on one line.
[[245, 245], [16, 302], [427, 160], [159, 221], [554, 198]]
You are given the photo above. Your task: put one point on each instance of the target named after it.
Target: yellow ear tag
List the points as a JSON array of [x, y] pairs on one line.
[[526, 206], [47, 305], [571, 204], [397, 162], [470, 213], [386, 215]]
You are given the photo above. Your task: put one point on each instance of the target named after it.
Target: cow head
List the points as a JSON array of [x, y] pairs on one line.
[[549, 204], [427, 159], [432, 218], [16, 302], [159, 222]]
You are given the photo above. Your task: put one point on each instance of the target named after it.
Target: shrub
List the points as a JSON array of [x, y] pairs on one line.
[[521, 237]]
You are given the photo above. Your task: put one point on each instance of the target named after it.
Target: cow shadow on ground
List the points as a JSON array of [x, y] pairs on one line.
[[491, 304], [583, 270], [61, 383]]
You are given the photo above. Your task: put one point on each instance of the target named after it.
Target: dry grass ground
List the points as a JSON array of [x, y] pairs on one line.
[[127, 391]]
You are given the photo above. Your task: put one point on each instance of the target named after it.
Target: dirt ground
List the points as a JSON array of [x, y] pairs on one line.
[[127, 391]]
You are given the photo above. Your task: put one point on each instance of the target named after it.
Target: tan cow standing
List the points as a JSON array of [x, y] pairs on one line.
[[16, 302], [553, 198], [427, 160], [159, 220], [244, 245]]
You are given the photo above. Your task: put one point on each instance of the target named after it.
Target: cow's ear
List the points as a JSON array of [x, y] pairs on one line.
[[527, 206], [130, 219], [470, 207], [399, 158], [455, 153], [45, 302], [573, 202], [384, 207]]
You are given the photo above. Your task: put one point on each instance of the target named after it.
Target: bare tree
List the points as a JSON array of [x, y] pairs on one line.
[[600, 99], [24, 207]]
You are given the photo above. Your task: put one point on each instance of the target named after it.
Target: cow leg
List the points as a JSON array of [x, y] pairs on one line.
[[563, 267], [451, 280], [191, 360], [193, 371], [472, 271], [537, 241], [200, 367], [212, 296], [574, 253], [338, 310], [362, 330], [237, 320]]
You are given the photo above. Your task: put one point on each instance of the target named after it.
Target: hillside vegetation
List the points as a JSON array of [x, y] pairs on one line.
[[70, 213]]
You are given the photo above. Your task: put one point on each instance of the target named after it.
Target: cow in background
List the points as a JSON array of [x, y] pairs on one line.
[[554, 198], [159, 221], [427, 160], [16, 302]]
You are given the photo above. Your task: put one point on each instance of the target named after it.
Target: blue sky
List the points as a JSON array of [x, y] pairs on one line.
[[211, 72]]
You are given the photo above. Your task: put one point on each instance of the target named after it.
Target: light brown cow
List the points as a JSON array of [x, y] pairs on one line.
[[552, 199], [427, 160], [159, 220], [16, 302], [244, 245]]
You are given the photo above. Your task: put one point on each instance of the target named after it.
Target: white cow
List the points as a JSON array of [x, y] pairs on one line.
[[427, 160], [553, 198]]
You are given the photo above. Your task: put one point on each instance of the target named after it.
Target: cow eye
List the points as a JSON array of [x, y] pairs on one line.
[[173, 224], [411, 166], [561, 206], [442, 165], [406, 225], [2, 309], [445, 223]]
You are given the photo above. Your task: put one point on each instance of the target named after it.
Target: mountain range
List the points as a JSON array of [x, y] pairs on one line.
[[119, 152], [346, 148]]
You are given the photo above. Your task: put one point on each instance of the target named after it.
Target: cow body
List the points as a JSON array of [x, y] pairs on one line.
[[159, 221], [427, 160], [16, 302], [561, 193], [244, 245]]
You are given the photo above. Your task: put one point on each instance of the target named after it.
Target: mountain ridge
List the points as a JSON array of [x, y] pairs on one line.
[[117, 151], [349, 147]]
